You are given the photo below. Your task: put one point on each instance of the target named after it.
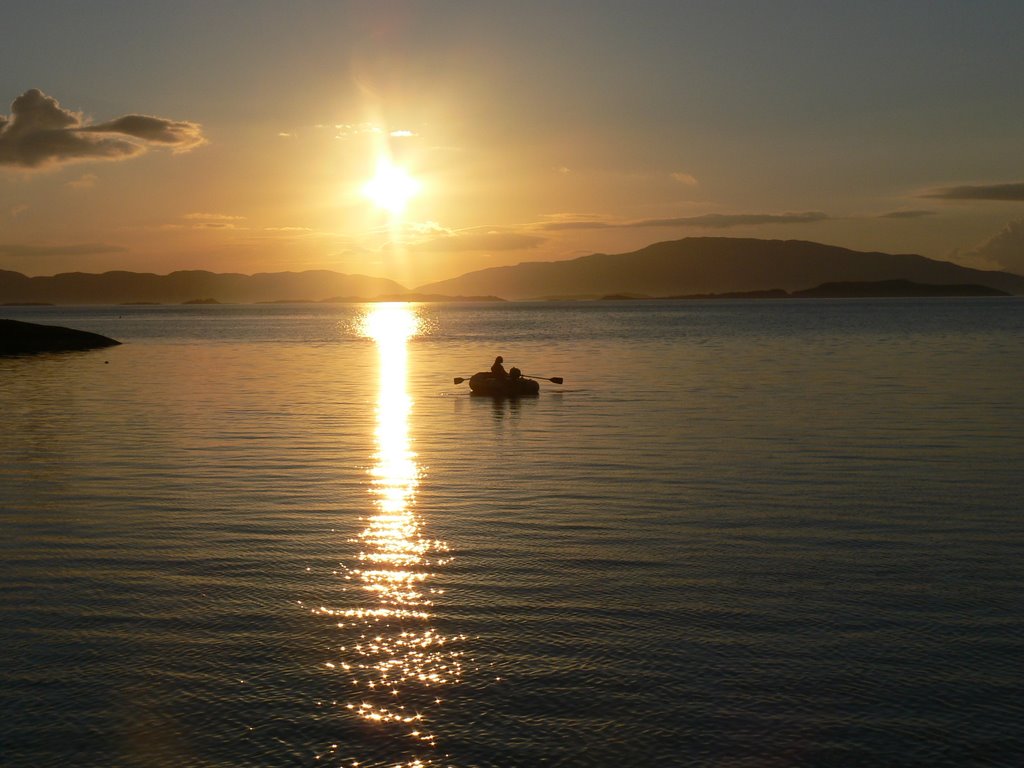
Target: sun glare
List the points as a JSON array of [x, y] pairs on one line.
[[391, 187]]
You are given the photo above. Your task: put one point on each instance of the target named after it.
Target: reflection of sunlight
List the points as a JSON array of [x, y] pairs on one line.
[[395, 662], [391, 325]]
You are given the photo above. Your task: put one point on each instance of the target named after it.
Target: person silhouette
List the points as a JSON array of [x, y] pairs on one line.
[[498, 370]]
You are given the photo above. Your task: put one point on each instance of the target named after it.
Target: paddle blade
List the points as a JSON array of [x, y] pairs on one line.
[[553, 379], [459, 379]]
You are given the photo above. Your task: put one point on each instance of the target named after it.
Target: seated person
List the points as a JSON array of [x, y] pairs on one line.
[[514, 374], [498, 370]]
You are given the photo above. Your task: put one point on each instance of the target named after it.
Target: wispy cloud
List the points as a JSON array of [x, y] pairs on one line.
[[349, 130], [77, 249], [685, 178], [86, 181], [221, 217], [565, 220], [569, 224], [905, 215], [201, 220], [1004, 251], [707, 221], [40, 133], [1011, 192], [429, 228], [727, 220], [476, 240]]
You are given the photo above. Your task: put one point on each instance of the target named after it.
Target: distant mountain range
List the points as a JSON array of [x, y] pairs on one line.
[[689, 267], [715, 265], [180, 287]]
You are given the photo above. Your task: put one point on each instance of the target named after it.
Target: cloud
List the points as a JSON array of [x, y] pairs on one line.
[[181, 136], [19, 209], [571, 220], [39, 133], [213, 220], [1003, 251], [217, 217], [80, 249], [86, 181], [568, 224], [685, 178], [1004, 192], [727, 220], [905, 215], [492, 240], [429, 228], [348, 130], [708, 221]]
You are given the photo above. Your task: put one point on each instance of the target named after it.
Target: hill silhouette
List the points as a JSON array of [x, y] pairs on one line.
[[179, 287], [688, 267], [715, 265]]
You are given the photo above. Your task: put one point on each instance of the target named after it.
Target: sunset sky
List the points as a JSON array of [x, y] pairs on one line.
[[240, 136]]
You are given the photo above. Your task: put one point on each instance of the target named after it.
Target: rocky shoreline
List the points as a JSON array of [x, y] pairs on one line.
[[19, 338]]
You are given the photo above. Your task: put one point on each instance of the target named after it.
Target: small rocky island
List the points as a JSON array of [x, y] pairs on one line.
[[18, 338]]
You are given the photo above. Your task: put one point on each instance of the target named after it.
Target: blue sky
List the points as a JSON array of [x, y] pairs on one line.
[[533, 130]]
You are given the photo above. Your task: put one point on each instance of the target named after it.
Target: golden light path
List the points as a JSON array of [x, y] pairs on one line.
[[396, 663]]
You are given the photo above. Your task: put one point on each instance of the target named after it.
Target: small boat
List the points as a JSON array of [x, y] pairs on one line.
[[486, 383]]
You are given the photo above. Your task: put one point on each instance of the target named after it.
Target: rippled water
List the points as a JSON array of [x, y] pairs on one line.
[[741, 534]]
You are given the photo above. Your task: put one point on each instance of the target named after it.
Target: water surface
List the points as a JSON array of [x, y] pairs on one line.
[[742, 533]]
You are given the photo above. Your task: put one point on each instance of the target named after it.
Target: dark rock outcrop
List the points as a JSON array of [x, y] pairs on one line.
[[18, 338]]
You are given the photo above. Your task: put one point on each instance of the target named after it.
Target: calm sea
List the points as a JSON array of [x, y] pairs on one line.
[[767, 533]]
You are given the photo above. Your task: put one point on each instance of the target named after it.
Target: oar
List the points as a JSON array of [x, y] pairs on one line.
[[553, 379]]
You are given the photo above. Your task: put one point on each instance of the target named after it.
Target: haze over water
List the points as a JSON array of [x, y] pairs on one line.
[[742, 533]]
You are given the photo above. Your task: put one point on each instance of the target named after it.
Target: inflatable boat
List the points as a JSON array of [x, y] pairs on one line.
[[486, 383]]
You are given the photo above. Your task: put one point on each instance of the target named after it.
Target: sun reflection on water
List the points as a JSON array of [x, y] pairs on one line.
[[395, 662]]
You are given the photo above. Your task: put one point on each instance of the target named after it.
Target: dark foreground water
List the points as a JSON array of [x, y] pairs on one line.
[[741, 534]]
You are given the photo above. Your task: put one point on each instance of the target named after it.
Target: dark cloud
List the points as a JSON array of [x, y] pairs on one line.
[[727, 220], [905, 215], [79, 249], [177, 133], [40, 133], [1011, 192], [709, 221]]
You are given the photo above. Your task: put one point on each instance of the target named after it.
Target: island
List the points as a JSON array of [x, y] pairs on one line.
[[865, 289], [20, 338]]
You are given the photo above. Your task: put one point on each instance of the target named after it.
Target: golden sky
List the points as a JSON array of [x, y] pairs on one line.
[[242, 136]]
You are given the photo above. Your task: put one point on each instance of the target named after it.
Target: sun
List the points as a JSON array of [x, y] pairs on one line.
[[391, 187]]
